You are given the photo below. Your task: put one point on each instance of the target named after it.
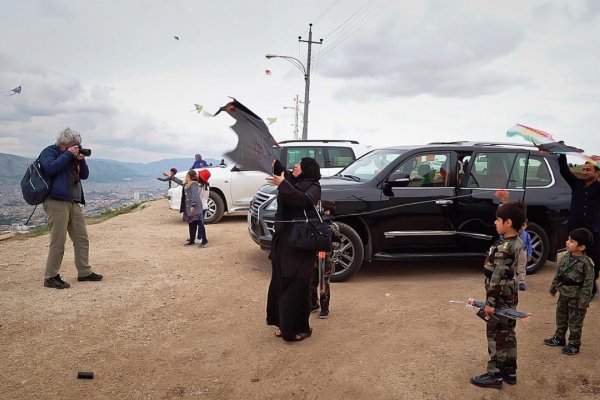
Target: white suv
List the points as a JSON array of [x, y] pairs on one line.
[[232, 187]]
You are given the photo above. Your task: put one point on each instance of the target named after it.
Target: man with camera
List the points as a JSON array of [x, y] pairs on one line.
[[64, 166]]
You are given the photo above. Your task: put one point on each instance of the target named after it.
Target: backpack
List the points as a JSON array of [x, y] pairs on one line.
[[34, 186]]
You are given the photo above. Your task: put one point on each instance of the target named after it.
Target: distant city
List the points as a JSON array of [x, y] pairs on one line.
[[99, 197]]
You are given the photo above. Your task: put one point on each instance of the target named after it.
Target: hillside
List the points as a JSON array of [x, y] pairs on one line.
[[12, 168]]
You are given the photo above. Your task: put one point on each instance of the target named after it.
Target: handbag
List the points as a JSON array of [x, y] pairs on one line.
[[312, 235]]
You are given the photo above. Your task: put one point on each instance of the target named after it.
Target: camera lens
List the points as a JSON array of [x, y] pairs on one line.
[[85, 152]]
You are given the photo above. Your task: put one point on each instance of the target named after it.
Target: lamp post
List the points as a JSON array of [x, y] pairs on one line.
[[306, 71]]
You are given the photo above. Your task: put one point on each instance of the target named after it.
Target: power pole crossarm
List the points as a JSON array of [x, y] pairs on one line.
[[307, 80]]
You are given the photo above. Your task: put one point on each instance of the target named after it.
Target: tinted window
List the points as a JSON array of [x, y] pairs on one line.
[[296, 154], [491, 170], [340, 157], [372, 163], [538, 173]]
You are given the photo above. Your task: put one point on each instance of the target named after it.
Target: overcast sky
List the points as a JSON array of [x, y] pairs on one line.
[[389, 72]]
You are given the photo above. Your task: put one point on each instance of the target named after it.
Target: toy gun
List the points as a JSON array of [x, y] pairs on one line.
[[493, 319]]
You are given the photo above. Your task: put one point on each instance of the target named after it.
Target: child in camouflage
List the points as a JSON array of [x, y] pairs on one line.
[[573, 280], [500, 269]]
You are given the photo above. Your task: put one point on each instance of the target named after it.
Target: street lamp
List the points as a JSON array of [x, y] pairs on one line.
[[298, 64]]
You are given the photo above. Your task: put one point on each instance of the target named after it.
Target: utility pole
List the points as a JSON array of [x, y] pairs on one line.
[[307, 80], [296, 111]]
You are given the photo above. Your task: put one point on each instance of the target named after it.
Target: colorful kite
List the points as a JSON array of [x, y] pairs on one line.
[[272, 120], [16, 90], [546, 142], [255, 144], [267, 72]]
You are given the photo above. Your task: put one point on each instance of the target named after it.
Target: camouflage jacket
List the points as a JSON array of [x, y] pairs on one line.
[[574, 278], [500, 269]]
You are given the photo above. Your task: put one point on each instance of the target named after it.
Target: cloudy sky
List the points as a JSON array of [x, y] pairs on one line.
[[389, 72]]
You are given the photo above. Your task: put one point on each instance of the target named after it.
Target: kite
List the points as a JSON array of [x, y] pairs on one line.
[[176, 37], [198, 108], [546, 142], [16, 90], [255, 144], [267, 72], [272, 120]]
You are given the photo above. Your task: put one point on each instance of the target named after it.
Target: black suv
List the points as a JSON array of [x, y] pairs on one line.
[[435, 200]]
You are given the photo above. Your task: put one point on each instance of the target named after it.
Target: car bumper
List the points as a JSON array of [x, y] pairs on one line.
[[261, 233]]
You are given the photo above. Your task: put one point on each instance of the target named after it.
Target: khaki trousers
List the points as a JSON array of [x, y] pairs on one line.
[[66, 217]]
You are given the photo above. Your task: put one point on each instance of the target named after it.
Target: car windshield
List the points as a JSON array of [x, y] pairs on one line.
[[371, 164]]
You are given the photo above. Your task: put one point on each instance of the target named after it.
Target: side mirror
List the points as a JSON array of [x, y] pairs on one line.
[[399, 179]]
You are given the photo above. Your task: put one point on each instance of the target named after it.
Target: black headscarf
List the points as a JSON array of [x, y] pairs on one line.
[[310, 169]]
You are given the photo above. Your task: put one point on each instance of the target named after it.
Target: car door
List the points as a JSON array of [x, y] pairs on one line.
[[417, 216], [485, 173], [243, 185]]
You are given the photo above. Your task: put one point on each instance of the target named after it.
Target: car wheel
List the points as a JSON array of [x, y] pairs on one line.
[[215, 210], [540, 245], [349, 257]]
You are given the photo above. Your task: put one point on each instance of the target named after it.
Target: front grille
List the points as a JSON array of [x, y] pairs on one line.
[[258, 200]]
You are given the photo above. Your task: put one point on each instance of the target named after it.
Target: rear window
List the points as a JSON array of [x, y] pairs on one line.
[[339, 157]]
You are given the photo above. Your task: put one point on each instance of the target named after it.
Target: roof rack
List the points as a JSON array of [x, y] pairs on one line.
[[320, 140]]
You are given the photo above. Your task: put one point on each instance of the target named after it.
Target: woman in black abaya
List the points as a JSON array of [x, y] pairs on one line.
[[288, 300]]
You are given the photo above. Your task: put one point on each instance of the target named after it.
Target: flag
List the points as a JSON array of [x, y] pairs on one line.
[[255, 144], [530, 134]]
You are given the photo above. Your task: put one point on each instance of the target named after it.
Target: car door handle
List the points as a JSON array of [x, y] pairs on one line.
[[444, 202]]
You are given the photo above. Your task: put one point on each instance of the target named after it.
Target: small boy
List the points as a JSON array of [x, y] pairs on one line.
[[501, 291], [524, 256], [573, 280]]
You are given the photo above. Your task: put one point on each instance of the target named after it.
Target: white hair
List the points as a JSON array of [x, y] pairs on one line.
[[67, 136]]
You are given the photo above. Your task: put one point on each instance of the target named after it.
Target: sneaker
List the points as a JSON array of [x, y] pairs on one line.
[[324, 314], [554, 341], [510, 378], [522, 286], [190, 242], [487, 381], [570, 350], [202, 244], [91, 277], [56, 283]]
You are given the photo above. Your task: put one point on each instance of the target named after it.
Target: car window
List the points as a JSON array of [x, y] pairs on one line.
[[538, 173], [372, 163], [339, 157], [491, 170], [426, 170], [295, 155]]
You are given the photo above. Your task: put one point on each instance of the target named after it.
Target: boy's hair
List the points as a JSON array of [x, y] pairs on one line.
[[514, 211], [582, 236]]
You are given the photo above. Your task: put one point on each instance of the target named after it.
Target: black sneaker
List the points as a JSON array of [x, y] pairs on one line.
[[91, 277], [511, 378], [570, 350], [487, 381], [554, 341], [56, 283], [324, 314], [190, 242]]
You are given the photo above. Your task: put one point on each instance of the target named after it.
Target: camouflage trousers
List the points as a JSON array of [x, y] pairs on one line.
[[502, 347], [569, 316], [320, 294]]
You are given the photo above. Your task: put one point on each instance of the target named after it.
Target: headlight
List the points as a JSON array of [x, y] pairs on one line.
[[272, 205]]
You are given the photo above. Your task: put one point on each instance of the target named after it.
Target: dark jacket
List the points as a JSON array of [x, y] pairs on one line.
[[294, 197], [585, 200], [55, 166]]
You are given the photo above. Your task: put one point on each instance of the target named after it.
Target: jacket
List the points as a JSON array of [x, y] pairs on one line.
[[574, 278], [55, 164]]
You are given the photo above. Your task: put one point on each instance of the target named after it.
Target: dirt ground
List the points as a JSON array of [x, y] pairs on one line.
[[171, 321]]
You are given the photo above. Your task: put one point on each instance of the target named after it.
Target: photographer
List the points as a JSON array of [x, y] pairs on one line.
[[64, 166]]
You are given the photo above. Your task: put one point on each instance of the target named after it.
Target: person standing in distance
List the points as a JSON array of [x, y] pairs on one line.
[[198, 162], [64, 166]]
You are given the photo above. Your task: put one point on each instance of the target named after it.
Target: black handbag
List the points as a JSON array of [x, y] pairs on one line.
[[312, 235]]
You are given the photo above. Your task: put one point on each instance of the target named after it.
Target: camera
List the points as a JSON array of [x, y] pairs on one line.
[[85, 152]]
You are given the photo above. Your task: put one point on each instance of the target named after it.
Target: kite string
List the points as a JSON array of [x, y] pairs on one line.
[[334, 217]]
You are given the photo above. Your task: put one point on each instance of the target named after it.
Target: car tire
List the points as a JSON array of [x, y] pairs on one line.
[[216, 208], [350, 256], [541, 247]]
